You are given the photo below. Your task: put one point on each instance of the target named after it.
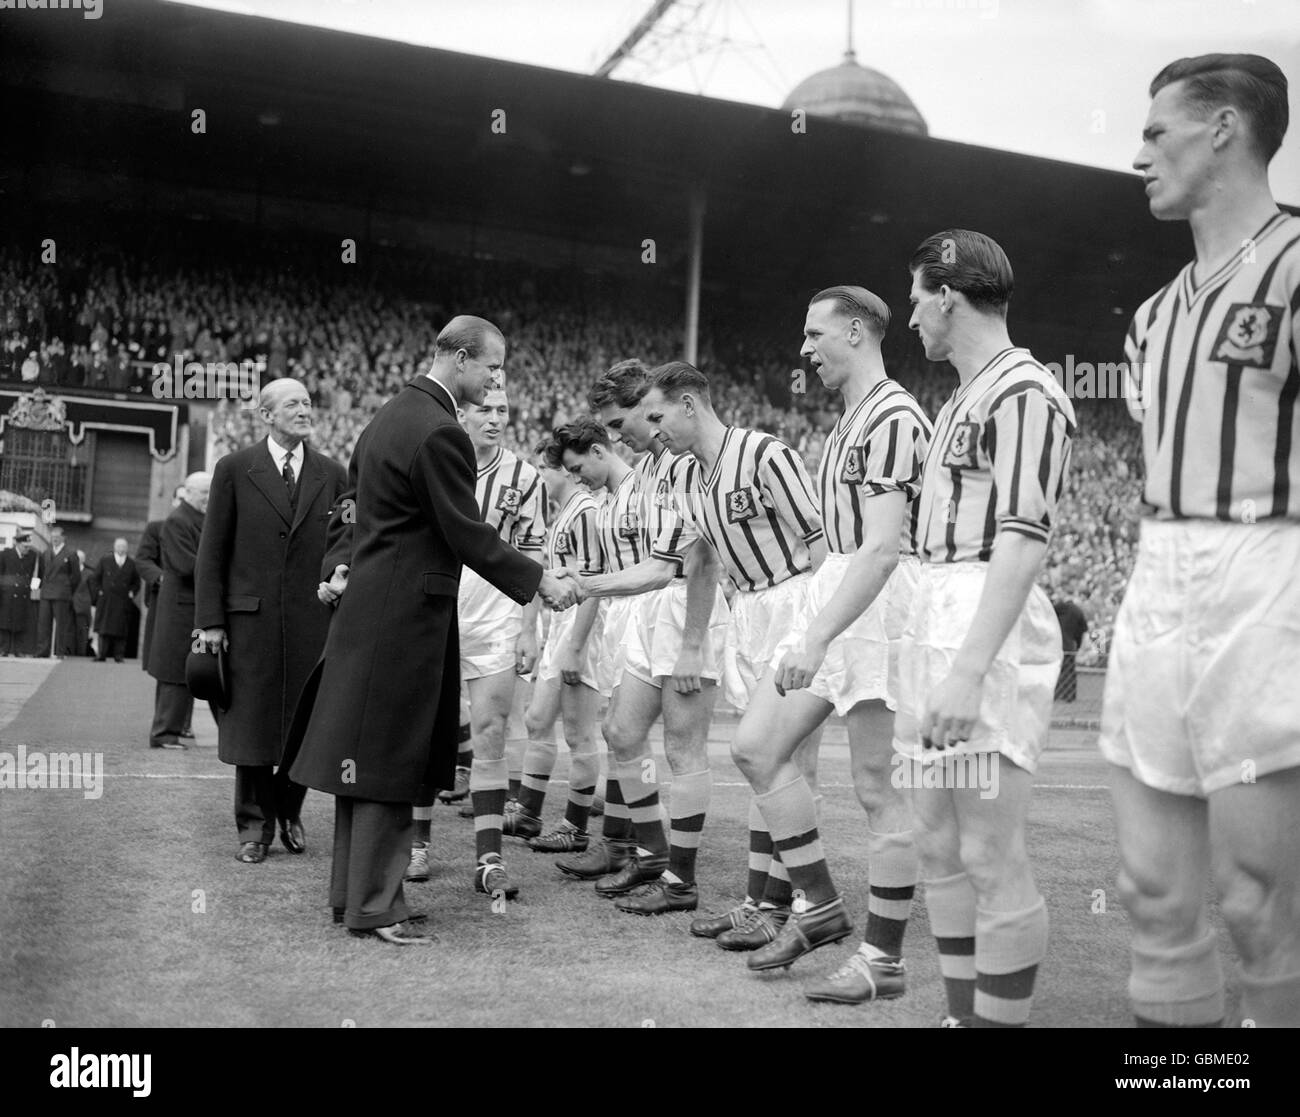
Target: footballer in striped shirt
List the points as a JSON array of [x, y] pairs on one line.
[[749, 497], [838, 657], [981, 651], [676, 628], [498, 638], [1201, 717]]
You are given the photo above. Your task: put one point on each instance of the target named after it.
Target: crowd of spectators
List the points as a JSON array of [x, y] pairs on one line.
[[354, 336]]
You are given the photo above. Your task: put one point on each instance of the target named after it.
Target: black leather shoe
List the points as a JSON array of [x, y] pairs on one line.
[[520, 825], [802, 934], [398, 934], [659, 897], [637, 871], [292, 835], [711, 926], [606, 857], [491, 879], [169, 744], [251, 853], [758, 930], [187, 732]]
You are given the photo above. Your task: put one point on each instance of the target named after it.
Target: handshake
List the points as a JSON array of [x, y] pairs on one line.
[[561, 589]]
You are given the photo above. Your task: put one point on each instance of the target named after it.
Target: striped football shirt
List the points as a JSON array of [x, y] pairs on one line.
[[997, 460], [621, 525], [756, 508], [878, 447], [669, 535], [1215, 383], [512, 499], [573, 540]]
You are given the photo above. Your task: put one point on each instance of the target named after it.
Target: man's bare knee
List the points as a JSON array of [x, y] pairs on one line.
[[1159, 908]]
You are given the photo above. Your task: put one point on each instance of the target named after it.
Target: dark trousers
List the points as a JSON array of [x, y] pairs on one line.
[[81, 641], [263, 795], [114, 646], [55, 620], [372, 845], [9, 642], [173, 706]]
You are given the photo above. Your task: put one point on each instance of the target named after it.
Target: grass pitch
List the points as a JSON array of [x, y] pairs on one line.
[[130, 910]]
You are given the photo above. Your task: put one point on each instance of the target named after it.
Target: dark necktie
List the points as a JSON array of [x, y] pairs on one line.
[[287, 474]]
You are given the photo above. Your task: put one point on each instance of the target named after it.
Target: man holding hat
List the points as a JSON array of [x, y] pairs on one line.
[[259, 564]]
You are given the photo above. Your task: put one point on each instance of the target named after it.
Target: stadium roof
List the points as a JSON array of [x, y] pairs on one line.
[[349, 125]]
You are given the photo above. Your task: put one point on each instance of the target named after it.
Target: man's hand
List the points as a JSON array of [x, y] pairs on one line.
[[686, 671], [215, 639], [799, 665], [952, 710], [525, 653], [570, 664], [558, 589], [330, 592]]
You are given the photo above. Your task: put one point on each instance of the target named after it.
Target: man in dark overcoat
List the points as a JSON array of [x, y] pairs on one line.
[[379, 716], [148, 560], [173, 633], [113, 584], [259, 564], [16, 564]]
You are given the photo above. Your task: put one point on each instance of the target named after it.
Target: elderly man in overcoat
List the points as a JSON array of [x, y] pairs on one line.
[[259, 564], [380, 715]]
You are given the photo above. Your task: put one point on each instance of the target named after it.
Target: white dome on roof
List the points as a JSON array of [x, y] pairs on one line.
[[857, 95]]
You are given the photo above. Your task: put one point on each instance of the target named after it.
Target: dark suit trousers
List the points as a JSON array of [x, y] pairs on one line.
[[263, 795], [9, 642], [81, 641], [173, 706], [372, 845], [56, 615]]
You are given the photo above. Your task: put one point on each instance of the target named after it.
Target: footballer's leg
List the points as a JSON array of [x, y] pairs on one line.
[[464, 754], [687, 718], [540, 753], [612, 852], [1010, 915], [877, 972], [517, 741], [489, 699], [634, 707], [578, 708], [1256, 845], [774, 749], [949, 897], [1164, 852]]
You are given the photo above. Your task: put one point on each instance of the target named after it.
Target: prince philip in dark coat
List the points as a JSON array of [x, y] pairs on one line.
[[259, 565], [379, 716]]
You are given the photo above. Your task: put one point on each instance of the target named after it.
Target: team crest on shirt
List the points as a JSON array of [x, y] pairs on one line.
[[855, 466], [629, 526], [962, 451], [1248, 335], [740, 506], [509, 500], [663, 495], [564, 543]]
